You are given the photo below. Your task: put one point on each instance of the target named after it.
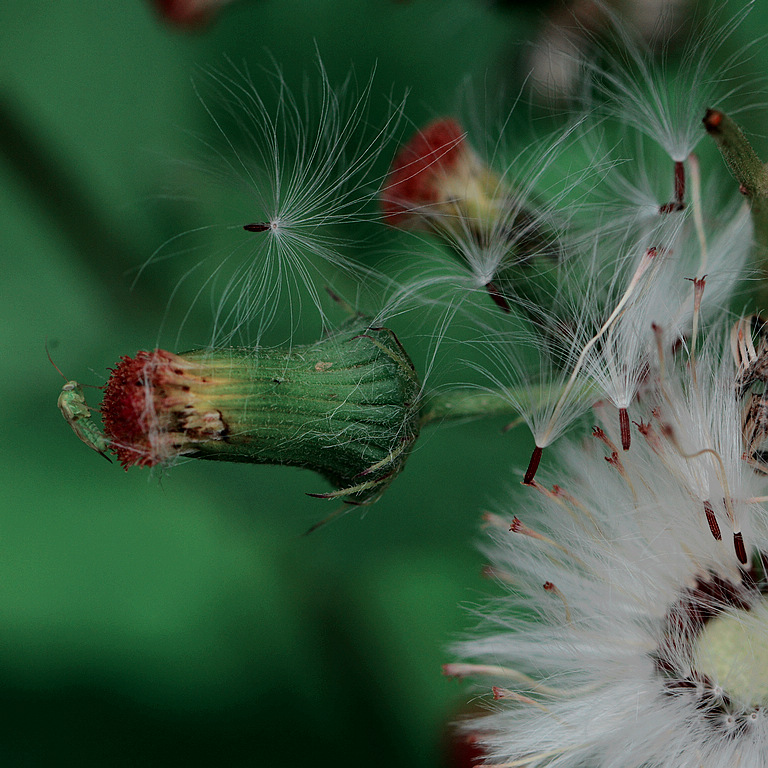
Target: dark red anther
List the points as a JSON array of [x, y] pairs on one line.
[[533, 465], [257, 227], [712, 520], [738, 545], [626, 435]]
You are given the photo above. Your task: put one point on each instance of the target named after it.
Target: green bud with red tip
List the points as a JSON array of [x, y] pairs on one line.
[[346, 407]]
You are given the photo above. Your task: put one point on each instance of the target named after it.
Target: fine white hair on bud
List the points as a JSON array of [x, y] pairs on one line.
[[633, 621], [298, 168]]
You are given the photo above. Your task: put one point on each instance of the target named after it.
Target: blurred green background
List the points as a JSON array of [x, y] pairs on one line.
[[181, 618]]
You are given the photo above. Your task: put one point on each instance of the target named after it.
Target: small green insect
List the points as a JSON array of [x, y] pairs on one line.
[[77, 413]]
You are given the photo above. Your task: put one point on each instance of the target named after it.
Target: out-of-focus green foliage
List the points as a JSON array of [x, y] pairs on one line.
[[183, 619]]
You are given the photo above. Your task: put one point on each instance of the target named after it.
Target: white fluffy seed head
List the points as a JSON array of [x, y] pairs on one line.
[[603, 664]]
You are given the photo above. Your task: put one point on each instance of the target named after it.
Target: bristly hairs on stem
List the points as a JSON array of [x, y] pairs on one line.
[[307, 166]]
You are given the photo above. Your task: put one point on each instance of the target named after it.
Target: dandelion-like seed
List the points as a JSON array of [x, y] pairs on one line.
[[663, 106], [303, 173], [634, 86]]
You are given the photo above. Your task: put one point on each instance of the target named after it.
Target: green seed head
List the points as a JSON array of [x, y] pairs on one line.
[[732, 650]]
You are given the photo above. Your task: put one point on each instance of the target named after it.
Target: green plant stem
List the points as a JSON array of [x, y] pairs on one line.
[[752, 175], [458, 404], [463, 404]]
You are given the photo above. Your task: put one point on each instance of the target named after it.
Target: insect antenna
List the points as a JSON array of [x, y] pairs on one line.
[[61, 373], [50, 359]]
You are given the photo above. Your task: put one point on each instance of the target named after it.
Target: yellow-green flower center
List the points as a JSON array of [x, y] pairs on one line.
[[732, 651]]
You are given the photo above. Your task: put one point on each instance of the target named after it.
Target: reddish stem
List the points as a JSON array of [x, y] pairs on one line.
[[626, 435], [712, 520], [679, 202], [533, 465], [738, 545], [680, 184], [497, 297]]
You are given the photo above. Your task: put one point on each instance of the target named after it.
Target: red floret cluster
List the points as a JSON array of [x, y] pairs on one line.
[[414, 177], [128, 408], [186, 13]]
